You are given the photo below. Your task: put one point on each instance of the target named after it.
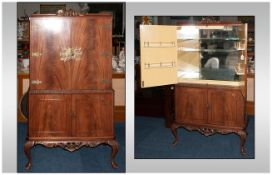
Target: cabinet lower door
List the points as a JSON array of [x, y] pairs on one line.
[[92, 115], [49, 115], [191, 105], [226, 107]]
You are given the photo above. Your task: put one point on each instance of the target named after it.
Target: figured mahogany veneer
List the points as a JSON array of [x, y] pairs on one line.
[[210, 110], [71, 96]]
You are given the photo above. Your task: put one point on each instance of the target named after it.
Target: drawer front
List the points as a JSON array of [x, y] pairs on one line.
[[92, 115], [49, 115]]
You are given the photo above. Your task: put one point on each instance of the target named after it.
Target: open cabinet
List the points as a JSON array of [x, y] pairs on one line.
[[207, 63]]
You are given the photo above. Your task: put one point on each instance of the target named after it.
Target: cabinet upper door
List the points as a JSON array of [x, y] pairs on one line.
[[93, 37], [158, 55], [49, 36]]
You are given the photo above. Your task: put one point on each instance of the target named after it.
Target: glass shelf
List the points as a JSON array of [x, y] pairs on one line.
[[224, 39], [183, 49]]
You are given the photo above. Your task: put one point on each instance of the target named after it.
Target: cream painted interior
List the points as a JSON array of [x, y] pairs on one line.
[[158, 55]]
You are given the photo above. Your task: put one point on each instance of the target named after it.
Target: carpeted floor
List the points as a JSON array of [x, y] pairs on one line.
[[83, 160], [153, 140]]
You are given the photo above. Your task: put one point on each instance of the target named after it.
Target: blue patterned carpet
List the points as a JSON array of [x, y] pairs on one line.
[[83, 160], [153, 140]]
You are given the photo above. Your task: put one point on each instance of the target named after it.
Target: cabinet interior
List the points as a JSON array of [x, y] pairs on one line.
[[209, 54]]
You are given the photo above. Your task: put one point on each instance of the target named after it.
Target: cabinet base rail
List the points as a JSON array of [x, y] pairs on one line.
[[71, 146], [210, 131]]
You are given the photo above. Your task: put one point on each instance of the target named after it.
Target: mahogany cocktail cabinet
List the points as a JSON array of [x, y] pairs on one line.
[[71, 96], [207, 63]]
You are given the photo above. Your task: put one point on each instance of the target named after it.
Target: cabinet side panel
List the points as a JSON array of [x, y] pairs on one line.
[[93, 70], [49, 116], [191, 105], [48, 38]]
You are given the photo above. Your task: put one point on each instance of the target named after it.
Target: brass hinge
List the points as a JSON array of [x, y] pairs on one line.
[[36, 82], [142, 83], [36, 54]]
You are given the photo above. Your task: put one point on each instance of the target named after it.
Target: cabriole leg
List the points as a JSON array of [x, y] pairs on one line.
[[242, 135], [114, 150], [174, 127], [27, 149]]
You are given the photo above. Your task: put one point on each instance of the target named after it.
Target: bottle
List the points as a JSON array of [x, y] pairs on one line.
[[242, 57]]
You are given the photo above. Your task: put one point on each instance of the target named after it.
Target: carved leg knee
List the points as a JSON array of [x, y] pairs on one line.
[[27, 149], [114, 150], [174, 127]]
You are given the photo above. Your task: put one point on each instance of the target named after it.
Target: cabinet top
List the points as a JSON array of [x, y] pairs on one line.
[[76, 16]]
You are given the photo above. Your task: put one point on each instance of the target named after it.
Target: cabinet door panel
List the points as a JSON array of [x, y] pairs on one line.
[[49, 115], [226, 107], [191, 105], [93, 115], [48, 37], [158, 48], [93, 69]]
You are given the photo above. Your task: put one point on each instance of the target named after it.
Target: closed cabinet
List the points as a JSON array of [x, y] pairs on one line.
[[71, 96], [212, 106]]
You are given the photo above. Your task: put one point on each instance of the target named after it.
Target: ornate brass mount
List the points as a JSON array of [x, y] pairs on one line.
[[67, 54], [36, 82], [68, 12]]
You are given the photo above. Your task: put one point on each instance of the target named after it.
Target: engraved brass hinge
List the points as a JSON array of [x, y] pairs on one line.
[[36, 54], [106, 81], [36, 82]]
